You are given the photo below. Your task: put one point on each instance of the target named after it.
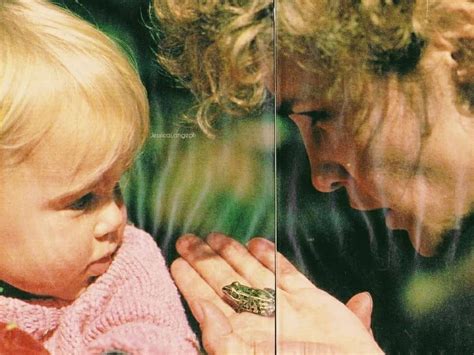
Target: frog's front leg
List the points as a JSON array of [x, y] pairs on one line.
[[240, 308]]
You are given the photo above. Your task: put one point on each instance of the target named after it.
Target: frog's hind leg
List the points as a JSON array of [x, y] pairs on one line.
[[270, 291], [255, 307]]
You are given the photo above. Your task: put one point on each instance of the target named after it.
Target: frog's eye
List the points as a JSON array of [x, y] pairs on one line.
[[235, 283]]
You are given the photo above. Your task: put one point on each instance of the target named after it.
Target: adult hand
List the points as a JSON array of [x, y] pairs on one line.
[[219, 336], [309, 319]]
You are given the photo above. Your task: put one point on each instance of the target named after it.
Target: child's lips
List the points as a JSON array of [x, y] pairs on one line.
[[100, 266]]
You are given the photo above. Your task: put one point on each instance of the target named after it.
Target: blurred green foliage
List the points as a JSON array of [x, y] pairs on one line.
[[429, 292]]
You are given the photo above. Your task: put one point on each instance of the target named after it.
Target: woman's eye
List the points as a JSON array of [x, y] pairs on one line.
[[84, 202], [317, 117]]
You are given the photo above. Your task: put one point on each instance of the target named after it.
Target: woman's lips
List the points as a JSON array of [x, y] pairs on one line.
[[394, 220], [361, 202]]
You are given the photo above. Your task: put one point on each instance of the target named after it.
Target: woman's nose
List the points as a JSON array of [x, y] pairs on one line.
[[328, 176], [111, 219]]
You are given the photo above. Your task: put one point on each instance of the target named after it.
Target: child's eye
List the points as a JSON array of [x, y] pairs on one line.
[[84, 202]]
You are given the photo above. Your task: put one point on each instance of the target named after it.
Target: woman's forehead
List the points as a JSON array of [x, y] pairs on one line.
[[301, 85], [297, 84]]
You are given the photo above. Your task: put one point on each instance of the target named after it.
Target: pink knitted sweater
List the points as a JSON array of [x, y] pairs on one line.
[[133, 307]]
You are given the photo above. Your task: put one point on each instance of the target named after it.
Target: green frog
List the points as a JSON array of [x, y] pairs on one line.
[[248, 299]]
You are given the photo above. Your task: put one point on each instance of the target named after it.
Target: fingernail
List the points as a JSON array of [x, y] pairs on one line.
[[266, 242], [261, 244], [214, 235], [185, 240], [211, 236], [369, 298], [197, 310]]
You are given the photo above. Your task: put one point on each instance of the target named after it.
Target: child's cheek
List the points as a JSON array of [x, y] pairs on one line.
[[121, 230], [123, 209]]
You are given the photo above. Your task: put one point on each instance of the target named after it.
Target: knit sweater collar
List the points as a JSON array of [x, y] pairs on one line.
[[38, 315]]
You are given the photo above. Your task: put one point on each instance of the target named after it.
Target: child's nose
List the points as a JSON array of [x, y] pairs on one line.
[[111, 218], [329, 176]]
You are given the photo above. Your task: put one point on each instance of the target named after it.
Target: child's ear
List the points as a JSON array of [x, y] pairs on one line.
[[464, 70]]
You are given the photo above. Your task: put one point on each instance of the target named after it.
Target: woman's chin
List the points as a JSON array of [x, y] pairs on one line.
[[424, 242]]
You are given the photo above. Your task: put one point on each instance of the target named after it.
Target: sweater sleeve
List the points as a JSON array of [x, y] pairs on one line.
[[133, 308]]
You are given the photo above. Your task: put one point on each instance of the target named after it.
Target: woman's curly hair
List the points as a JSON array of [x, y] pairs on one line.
[[223, 49], [216, 48]]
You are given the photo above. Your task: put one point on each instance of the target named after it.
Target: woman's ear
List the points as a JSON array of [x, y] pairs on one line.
[[449, 26], [456, 21], [464, 70]]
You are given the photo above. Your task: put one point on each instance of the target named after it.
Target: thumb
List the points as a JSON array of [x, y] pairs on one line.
[[361, 305], [217, 333]]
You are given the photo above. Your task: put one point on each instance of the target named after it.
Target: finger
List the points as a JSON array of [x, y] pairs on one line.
[[193, 286], [361, 305], [264, 251], [288, 277], [217, 333], [306, 348], [207, 263], [241, 260]]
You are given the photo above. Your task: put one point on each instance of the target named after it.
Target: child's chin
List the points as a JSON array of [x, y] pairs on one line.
[[70, 294], [67, 292]]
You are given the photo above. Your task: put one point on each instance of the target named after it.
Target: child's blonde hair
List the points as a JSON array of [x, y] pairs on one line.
[[57, 71], [216, 48]]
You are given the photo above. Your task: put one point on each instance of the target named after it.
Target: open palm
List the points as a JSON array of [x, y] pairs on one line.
[[308, 319]]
